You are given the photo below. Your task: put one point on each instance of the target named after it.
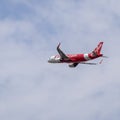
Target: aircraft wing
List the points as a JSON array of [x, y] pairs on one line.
[[75, 64], [88, 63], [61, 53]]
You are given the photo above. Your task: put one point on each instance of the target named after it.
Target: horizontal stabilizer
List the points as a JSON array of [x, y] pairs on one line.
[[105, 56]]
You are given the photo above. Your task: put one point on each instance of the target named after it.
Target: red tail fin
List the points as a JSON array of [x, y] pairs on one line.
[[97, 50]]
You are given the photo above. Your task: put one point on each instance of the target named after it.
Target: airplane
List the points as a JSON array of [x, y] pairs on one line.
[[74, 59]]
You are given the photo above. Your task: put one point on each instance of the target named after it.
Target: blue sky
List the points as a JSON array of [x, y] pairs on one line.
[[32, 89]]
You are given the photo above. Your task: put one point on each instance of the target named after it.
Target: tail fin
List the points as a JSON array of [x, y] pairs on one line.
[[97, 50]]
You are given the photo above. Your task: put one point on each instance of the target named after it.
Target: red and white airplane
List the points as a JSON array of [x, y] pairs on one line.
[[75, 59]]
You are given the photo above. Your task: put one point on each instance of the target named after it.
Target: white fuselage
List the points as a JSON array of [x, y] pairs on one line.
[[54, 59]]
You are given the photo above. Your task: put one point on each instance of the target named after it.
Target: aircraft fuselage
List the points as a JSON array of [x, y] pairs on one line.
[[73, 58]]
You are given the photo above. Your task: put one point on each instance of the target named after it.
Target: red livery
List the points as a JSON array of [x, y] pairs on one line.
[[75, 59]]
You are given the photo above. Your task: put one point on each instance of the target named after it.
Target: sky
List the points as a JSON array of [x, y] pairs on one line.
[[33, 89]]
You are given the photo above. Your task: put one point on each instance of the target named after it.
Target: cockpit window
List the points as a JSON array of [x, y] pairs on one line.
[[52, 57]]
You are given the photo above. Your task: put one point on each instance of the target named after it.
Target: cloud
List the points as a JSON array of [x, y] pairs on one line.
[[30, 88]]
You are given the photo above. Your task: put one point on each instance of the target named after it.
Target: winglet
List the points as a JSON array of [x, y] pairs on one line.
[[58, 45], [101, 61]]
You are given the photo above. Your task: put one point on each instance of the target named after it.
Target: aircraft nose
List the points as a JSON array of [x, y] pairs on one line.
[[49, 60]]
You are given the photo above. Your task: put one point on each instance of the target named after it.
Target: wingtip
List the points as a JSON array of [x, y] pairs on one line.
[[101, 61], [59, 45]]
